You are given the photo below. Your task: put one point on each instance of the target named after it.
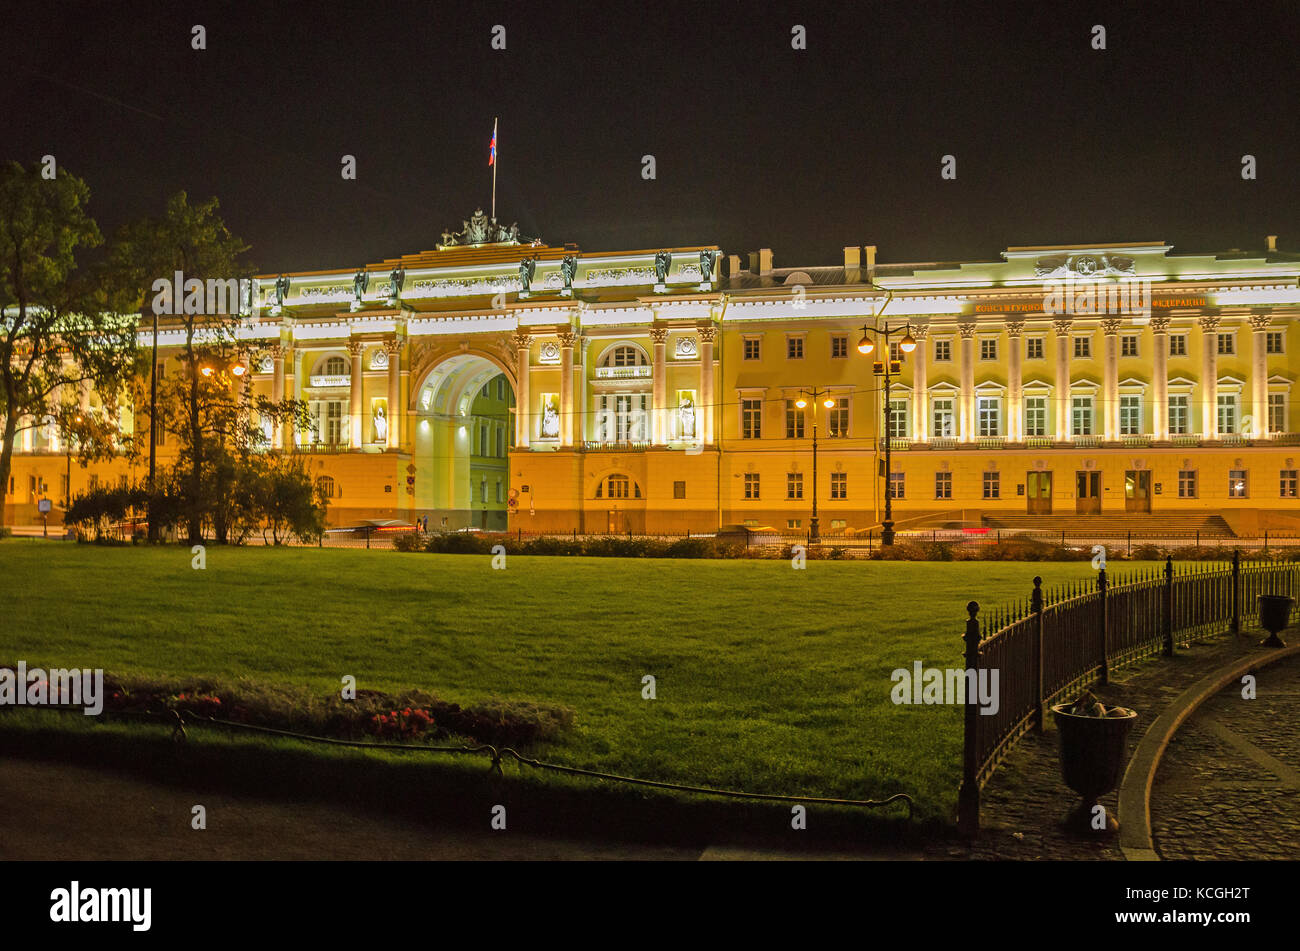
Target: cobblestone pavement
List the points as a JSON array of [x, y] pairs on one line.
[[1025, 801], [1228, 786]]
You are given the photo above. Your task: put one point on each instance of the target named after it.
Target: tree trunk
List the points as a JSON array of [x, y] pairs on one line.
[[6, 461]]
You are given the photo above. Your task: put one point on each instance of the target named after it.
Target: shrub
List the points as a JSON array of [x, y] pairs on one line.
[[691, 548], [411, 541], [551, 546], [460, 543]]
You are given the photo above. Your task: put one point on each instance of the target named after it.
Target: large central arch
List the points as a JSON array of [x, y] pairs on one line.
[[463, 434]]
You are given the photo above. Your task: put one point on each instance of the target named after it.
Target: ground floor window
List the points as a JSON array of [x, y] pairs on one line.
[[839, 485], [943, 485], [1237, 483], [897, 485], [751, 485], [794, 523], [794, 485], [992, 485], [1187, 483], [679, 490], [325, 486], [1288, 490]]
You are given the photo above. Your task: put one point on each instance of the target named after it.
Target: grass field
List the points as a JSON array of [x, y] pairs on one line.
[[768, 679]]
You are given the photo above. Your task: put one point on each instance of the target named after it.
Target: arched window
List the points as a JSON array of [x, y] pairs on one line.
[[334, 366], [624, 355], [617, 487], [325, 486]]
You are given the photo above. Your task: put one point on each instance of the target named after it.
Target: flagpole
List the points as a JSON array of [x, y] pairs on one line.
[[495, 160]]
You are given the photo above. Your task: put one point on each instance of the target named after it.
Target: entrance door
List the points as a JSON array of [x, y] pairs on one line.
[[1039, 489], [617, 523], [1087, 493], [1137, 491]]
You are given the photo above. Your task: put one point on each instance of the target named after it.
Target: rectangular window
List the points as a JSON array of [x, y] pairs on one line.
[[482, 486], [752, 349], [942, 350], [751, 419], [619, 487], [989, 415], [1227, 412], [898, 419], [988, 349], [839, 346], [1227, 343], [793, 522], [992, 485], [839, 485], [944, 426], [943, 485], [1288, 484], [1035, 415], [483, 437], [1082, 347], [1237, 483], [794, 485], [679, 490], [1277, 412], [334, 422], [499, 499], [794, 421], [1128, 345], [1178, 415], [1130, 415], [897, 485], [1081, 416], [1187, 483], [837, 418], [751, 485], [1033, 348], [501, 443], [1274, 341], [895, 351], [1178, 345], [501, 388], [794, 348]]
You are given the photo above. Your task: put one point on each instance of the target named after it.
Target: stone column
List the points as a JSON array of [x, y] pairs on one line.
[[357, 383], [1015, 383], [966, 416], [287, 434], [1209, 377], [523, 427], [1160, 378], [707, 411], [920, 386], [1259, 374], [396, 411], [1063, 344], [1110, 379], [277, 386], [56, 402], [568, 339], [25, 435], [659, 399]]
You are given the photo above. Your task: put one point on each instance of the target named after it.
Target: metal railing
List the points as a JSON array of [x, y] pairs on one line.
[[1056, 643]]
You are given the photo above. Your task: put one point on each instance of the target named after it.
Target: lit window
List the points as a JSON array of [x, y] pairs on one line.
[[794, 421], [1237, 483], [837, 418], [1288, 486], [944, 425]]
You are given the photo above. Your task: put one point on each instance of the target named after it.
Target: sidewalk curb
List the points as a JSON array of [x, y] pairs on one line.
[[1135, 839]]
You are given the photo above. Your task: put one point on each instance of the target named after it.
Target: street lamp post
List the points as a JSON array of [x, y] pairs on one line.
[[906, 345], [814, 526]]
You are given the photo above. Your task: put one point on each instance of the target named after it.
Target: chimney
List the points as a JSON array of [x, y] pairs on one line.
[[1272, 242], [871, 261], [733, 265], [765, 261], [852, 258]]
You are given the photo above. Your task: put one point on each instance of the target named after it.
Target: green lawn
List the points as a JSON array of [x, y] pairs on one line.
[[768, 679]]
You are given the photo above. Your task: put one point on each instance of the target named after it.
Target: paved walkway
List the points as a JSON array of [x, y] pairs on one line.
[[1228, 786], [1025, 801]]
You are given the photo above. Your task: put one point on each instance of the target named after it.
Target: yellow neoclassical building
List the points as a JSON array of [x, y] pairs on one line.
[[499, 382]]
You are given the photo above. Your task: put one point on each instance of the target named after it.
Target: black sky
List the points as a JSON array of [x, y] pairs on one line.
[[756, 144]]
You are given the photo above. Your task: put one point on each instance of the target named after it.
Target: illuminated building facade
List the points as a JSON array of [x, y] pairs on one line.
[[498, 382]]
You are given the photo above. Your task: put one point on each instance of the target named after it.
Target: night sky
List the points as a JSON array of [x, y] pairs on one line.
[[756, 144]]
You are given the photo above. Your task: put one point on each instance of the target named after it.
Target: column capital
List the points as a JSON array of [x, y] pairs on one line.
[[568, 338], [1160, 325], [707, 333], [1062, 326], [355, 347], [1260, 322], [967, 329], [919, 331], [521, 339], [659, 335], [277, 351], [1110, 326], [1014, 328], [1208, 324], [393, 346]]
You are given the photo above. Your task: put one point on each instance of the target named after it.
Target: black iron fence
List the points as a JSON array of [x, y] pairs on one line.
[[1056, 643]]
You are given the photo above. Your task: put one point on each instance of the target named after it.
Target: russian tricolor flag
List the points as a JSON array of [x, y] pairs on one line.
[[492, 149]]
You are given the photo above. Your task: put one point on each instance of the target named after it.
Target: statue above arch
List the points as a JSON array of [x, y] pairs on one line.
[[480, 229]]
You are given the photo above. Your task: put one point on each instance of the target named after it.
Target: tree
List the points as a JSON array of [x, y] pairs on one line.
[[208, 405], [59, 328]]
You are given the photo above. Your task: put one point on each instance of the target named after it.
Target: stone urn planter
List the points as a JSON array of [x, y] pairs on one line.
[[1274, 615], [1093, 739]]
